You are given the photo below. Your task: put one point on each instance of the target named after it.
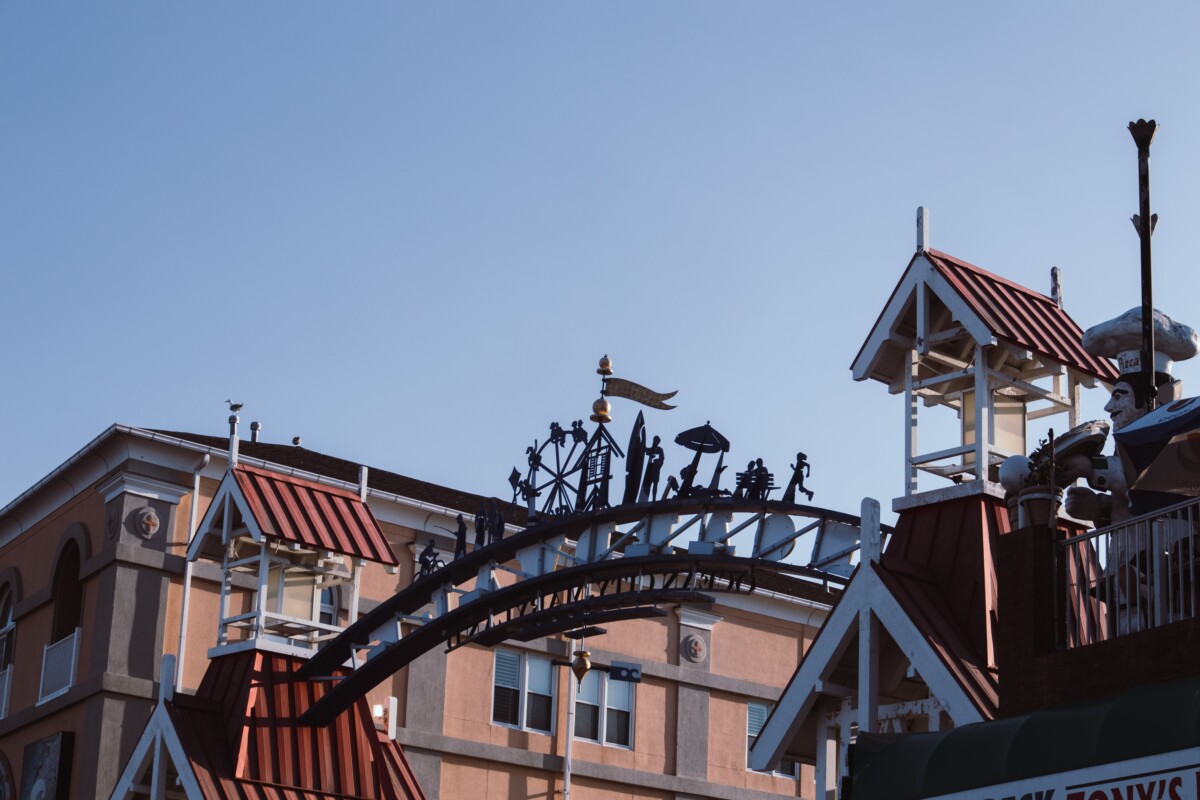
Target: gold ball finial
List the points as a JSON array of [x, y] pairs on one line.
[[605, 366], [581, 664], [601, 411]]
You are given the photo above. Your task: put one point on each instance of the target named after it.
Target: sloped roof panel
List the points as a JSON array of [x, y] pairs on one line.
[[256, 698], [313, 515], [1022, 316]]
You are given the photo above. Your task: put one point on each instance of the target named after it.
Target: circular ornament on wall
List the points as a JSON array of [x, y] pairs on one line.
[[693, 647], [148, 523]]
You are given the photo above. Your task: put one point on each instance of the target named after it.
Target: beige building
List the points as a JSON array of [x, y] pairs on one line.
[[93, 561]]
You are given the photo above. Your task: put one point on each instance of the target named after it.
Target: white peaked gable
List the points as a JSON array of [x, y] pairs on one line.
[[220, 520], [922, 305], [866, 609]]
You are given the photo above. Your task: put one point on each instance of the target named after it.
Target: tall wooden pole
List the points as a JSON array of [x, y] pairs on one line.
[[1143, 134]]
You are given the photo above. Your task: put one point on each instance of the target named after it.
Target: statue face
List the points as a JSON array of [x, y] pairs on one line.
[[1121, 406]]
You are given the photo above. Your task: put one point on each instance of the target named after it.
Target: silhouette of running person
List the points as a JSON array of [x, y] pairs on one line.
[[799, 470]]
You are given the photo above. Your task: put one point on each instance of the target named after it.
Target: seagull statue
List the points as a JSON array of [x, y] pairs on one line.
[[234, 407]]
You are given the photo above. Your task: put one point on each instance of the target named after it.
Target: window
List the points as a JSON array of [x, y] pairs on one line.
[[756, 717], [523, 691], [8, 638], [8, 628], [68, 594], [329, 606], [604, 710]]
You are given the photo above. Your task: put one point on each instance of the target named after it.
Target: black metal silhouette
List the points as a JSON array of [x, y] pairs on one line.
[[460, 538], [489, 525], [800, 470], [430, 562], [654, 463], [634, 460], [704, 439]]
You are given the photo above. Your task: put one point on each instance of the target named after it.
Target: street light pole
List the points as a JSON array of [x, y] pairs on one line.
[[579, 669], [1143, 134]]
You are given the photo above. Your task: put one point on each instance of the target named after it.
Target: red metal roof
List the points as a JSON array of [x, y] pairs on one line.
[[938, 565], [243, 741], [1021, 316], [313, 515]]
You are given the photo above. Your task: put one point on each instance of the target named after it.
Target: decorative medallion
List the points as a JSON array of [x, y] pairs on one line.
[[112, 527], [147, 523], [693, 648]]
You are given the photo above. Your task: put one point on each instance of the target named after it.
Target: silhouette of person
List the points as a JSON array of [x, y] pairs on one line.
[[655, 458], [460, 538], [799, 471], [428, 559], [761, 482]]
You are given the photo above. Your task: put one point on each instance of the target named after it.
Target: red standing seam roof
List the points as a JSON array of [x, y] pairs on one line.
[[938, 567], [1022, 316], [313, 515], [242, 739]]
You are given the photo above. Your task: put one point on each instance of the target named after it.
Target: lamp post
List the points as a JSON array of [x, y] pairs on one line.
[[1143, 134], [579, 668]]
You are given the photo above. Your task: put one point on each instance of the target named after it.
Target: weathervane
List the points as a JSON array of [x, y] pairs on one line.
[[570, 472]]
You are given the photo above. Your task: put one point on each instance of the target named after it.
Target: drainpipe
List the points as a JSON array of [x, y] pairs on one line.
[[187, 571]]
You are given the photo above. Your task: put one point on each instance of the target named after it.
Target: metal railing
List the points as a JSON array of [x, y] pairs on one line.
[[58, 667], [1132, 576], [5, 688]]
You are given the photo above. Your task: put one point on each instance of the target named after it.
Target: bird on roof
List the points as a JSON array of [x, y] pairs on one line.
[[234, 407]]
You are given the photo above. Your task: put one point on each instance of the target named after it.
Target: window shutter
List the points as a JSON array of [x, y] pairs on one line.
[[508, 669], [756, 716]]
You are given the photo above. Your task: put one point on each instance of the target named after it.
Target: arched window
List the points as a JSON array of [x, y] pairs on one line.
[[8, 628], [68, 593]]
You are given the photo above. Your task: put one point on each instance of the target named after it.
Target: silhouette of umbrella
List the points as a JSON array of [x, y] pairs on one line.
[[704, 439]]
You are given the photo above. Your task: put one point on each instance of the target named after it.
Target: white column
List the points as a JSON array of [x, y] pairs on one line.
[[868, 671], [910, 425], [983, 413], [825, 773]]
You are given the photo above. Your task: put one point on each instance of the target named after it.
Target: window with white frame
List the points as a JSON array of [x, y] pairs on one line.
[[8, 628], [523, 691], [604, 710], [329, 606], [8, 638], [756, 717]]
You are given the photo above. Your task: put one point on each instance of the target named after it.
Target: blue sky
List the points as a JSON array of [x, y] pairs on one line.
[[406, 232]]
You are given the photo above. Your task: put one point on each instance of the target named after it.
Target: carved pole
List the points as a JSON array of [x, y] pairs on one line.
[[1143, 134]]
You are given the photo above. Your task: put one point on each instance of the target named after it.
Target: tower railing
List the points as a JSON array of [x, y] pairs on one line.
[[1138, 574]]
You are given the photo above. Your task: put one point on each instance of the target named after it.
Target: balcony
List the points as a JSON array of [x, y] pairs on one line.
[[58, 667], [1133, 576]]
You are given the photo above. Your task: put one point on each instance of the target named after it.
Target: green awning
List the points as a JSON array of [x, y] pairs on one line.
[[1147, 720]]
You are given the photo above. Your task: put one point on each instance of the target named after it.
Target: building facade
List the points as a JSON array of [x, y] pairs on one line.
[[93, 567]]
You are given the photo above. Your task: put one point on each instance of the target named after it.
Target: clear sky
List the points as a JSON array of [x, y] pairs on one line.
[[407, 231]]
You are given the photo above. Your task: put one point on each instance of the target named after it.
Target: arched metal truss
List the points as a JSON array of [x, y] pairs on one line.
[[600, 566]]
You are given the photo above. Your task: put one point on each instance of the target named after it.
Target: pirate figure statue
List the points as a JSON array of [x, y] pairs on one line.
[[1121, 339]]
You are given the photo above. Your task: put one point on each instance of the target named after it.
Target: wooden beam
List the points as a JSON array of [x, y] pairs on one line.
[[946, 378], [948, 360], [1029, 388]]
